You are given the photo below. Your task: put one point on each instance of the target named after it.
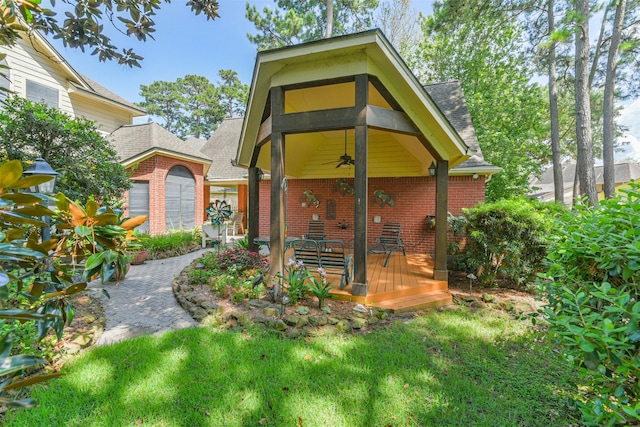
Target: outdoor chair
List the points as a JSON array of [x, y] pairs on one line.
[[332, 259], [388, 241], [235, 223], [315, 231]]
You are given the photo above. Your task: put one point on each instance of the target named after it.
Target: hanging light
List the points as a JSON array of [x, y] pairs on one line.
[[433, 169], [41, 167]]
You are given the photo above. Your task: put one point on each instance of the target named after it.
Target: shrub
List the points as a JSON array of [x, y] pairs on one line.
[[507, 239], [170, 244], [593, 304], [241, 260]]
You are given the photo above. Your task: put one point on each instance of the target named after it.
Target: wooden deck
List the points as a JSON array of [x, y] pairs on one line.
[[406, 283]]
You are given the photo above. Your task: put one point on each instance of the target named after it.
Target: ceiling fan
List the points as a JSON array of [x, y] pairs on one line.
[[345, 159]]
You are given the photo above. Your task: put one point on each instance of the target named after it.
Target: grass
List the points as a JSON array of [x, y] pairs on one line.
[[450, 368]]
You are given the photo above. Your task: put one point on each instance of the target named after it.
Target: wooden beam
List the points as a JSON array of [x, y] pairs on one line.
[[264, 133], [361, 183], [385, 93], [253, 213], [315, 121], [394, 121], [442, 200], [277, 197]]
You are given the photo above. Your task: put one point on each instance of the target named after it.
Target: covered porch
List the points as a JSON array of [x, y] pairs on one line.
[[347, 110]]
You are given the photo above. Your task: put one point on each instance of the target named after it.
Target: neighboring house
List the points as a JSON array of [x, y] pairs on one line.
[[167, 177], [39, 73], [543, 189]]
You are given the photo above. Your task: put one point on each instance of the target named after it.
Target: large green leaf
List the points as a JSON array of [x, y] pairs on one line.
[[18, 363], [22, 198], [32, 181], [95, 261], [10, 173], [32, 380], [17, 314], [16, 218], [24, 403]]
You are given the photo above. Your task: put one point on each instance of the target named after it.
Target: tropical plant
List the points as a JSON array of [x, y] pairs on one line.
[[37, 277], [594, 304], [320, 287]]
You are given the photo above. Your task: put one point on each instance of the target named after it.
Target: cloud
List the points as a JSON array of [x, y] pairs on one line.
[[629, 118]]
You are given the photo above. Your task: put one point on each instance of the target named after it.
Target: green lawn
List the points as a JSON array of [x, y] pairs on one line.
[[443, 369]]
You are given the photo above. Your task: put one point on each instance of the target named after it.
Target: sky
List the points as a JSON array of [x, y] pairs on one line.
[[189, 44]]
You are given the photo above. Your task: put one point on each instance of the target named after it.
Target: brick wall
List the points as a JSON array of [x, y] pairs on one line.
[[414, 199], [155, 170]]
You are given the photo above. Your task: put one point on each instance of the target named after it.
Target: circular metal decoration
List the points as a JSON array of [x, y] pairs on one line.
[[219, 211]]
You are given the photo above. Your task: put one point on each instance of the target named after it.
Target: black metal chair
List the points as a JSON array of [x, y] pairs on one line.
[[315, 231], [388, 241]]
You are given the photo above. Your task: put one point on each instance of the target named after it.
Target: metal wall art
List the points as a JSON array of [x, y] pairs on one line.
[[383, 199], [344, 187], [331, 209], [311, 199]]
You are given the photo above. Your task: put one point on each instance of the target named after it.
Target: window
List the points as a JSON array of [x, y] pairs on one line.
[[139, 203], [5, 83], [40, 93], [180, 200]]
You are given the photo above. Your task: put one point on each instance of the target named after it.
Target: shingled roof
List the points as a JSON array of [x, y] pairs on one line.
[[450, 100], [101, 91], [134, 143], [221, 148]]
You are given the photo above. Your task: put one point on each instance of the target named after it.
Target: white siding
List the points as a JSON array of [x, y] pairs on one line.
[[27, 62]]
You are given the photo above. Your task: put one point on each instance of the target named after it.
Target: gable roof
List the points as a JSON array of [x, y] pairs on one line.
[[135, 143], [79, 82], [449, 98], [367, 53], [221, 148]]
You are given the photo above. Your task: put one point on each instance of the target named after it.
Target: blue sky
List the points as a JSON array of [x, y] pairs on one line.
[[188, 44]]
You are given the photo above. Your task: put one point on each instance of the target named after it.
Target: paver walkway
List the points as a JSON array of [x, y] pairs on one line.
[[143, 303]]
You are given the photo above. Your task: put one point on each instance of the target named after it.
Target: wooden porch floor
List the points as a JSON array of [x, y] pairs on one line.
[[405, 284]]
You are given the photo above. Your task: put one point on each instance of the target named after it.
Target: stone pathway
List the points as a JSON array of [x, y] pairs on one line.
[[143, 303]]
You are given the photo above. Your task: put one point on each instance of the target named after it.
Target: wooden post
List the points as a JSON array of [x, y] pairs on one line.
[[253, 216], [277, 194], [361, 185], [442, 200]]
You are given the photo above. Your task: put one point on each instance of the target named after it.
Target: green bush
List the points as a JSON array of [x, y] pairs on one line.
[[507, 239], [593, 305], [170, 244]]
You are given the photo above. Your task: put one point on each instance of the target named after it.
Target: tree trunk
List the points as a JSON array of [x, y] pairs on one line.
[[609, 102], [329, 29], [558, 183], [583, 108]]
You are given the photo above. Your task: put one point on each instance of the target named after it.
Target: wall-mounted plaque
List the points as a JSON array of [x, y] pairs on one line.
[[331, 208]]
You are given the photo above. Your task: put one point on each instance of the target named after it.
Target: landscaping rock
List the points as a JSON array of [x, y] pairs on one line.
[[373, 321], [198, 313], [314, 321], [332, 320], [360, 308], [293, 333], [358, 322], [302, 322], [326, 309], [270, 311], [477, 304], [82, 339], [328, 331], [291, 320], [259, 303], [302, 310], [280, 325], [490, 298], [90, 318], [343, 326]]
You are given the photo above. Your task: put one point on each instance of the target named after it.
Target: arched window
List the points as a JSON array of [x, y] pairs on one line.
[[180, 199]]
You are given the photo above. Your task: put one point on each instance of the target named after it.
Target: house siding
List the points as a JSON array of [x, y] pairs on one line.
[[414, 199], [155, 170]]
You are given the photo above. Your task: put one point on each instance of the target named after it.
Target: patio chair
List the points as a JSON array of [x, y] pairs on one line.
[[388, 241], [315, 231], [235, 223], [333, 259]]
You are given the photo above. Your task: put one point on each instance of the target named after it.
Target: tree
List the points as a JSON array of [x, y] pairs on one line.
[[83, 24], [295, 22], [399, 22], [87, 163], [201, 107], [584, 142], [192, 105], [233, 93], [482, 48], [609, 101], [163, 99]]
